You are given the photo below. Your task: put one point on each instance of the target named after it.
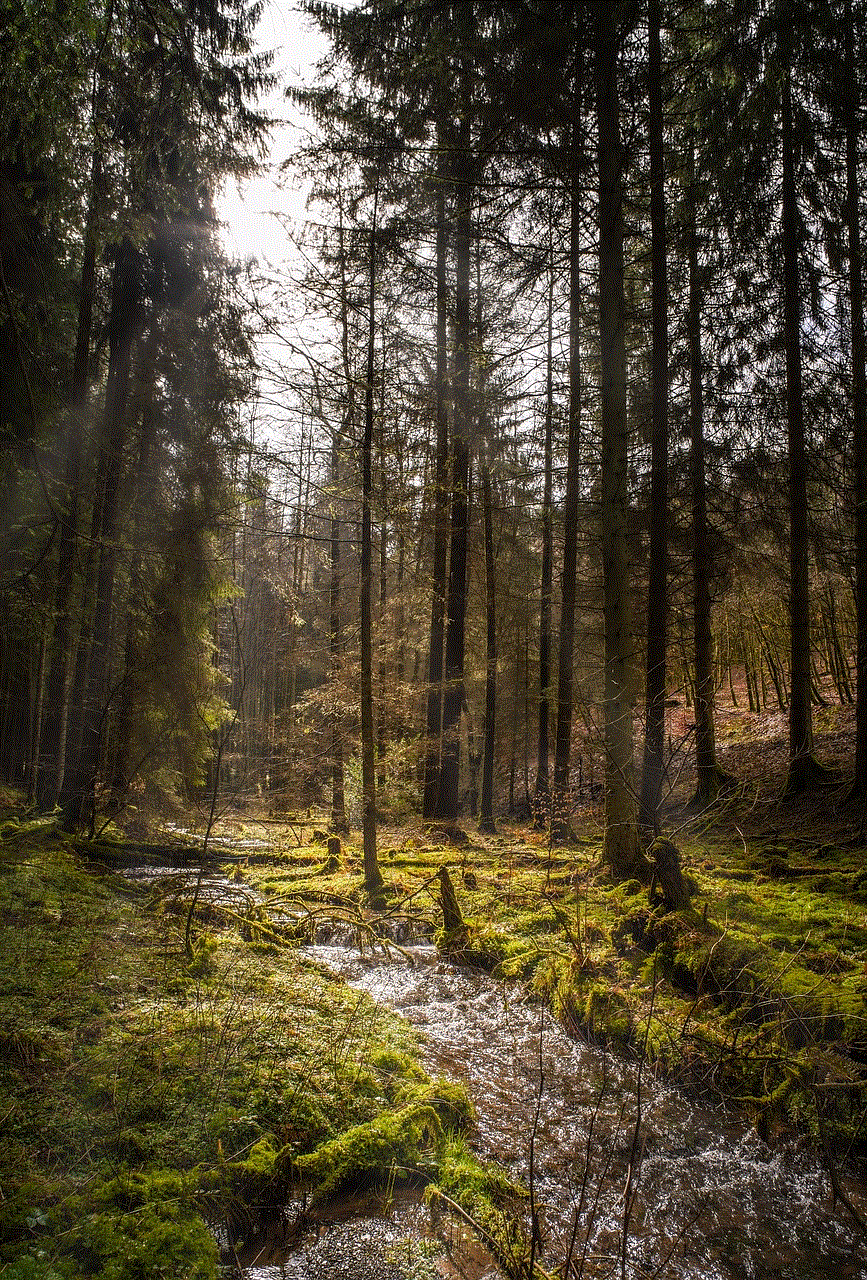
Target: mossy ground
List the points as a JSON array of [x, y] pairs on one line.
[[146, 1093], [756, 994]]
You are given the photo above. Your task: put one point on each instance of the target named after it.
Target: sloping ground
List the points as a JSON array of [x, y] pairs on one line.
[[148, 1090], [155, 1100], [756, 994]]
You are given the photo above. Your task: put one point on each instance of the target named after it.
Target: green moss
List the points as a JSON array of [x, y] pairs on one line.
[[121, 1053], [398, 1143], [242, 1065], [139, 1225], [492, 1201]]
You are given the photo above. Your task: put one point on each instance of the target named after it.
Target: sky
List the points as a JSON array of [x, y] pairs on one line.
[[259, 215], [247, 211]]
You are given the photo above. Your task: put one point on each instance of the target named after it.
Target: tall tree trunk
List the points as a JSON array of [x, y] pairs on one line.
[[400, 670], [79, 794], [302, 511], [441, 513], [372, 875], [621, 849], [36, 701], [339, 822], [383, 601], [50, 780], [709, 776], [124, 768], [657, 582], [542, 792], [804, 771], [487, 806], [561, 800], [453, 694], [851, 106]]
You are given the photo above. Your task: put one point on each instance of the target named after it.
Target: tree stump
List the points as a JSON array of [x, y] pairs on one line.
[[666, 857], [335, 852], [453, 921]]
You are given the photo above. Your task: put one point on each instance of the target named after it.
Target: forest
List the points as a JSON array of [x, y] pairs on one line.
[[493, 575]]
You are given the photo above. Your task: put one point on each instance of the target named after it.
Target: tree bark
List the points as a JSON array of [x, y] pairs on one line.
[[486, 822], [372, 874], [667, 869], [657, 585], [804, 771], [50, 781], [621, 849], [383, 602], [453, 694], [851, 106], [441, 514], [542, 791], [561, 799], [339, 822], [709, 776], [123, 770], [79, 794]]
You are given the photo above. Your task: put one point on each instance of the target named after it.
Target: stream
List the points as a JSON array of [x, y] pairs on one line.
[[710, 1200]]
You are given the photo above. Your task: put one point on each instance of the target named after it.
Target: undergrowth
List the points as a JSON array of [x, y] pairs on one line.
[[148, 1096], [755, 995]]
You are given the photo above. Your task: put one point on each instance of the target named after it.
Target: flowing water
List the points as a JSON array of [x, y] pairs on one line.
[[708, 1199], [711, 1199]]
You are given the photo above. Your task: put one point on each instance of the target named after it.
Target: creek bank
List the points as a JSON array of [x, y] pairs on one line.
[[145, 1093], [375, 1236], [756, 997], [169, 1028], [710, 1198]]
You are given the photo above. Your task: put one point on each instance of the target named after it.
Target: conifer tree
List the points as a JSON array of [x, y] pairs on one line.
[[657, 586], [621, 834]]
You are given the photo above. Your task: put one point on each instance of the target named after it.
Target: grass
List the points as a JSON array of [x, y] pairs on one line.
[[145, 1095]]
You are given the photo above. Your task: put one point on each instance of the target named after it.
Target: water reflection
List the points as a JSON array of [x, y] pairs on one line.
[[707, 1197]]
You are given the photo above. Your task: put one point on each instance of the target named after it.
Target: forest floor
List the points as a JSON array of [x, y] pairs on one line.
[[162, 1069]]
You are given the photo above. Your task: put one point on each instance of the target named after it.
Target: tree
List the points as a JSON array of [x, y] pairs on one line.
[[441, 510], [150, 156], [339, 821], [657, 585], [621, 837], [372, 874], [453, 694], [850, 98], [802, 761], [561, 800], [710, 777], [486, 815], [542, 790]]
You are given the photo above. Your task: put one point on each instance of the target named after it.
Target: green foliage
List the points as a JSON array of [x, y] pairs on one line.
[[483, 1189], [491, 1199], [140, 1226], [200, 1082], [398, 1143], [140, 1090], [36, 1265]]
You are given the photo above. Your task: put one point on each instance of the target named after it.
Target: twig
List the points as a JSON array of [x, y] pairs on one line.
[[536, 1240], [837, 1187]]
